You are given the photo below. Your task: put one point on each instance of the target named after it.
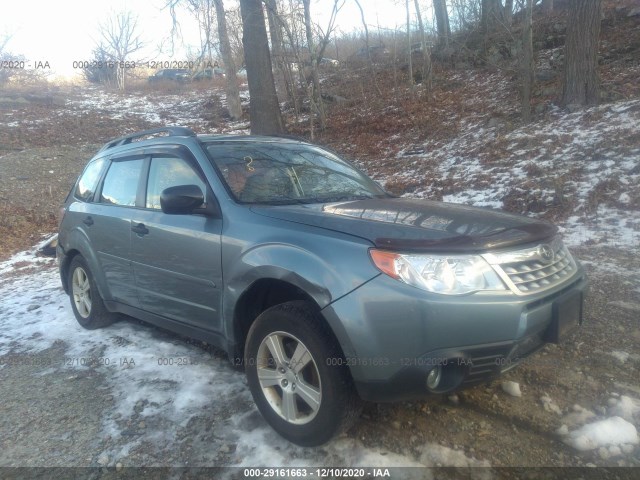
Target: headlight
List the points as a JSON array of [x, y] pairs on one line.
[[445, 274]]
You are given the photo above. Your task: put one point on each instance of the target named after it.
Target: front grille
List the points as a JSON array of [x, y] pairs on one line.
[[530, 271]]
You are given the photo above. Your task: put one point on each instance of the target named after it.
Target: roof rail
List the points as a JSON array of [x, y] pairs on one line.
[[288, 137], [172, 131]]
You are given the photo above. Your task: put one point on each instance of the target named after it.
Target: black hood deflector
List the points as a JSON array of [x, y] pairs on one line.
[[412, 225]]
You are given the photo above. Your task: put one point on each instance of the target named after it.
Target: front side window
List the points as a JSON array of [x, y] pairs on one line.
[[168, 172], [121, 183], [263, 172], [89, 180]]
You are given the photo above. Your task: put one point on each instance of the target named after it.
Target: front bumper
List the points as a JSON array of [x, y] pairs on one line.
[[392, 334]]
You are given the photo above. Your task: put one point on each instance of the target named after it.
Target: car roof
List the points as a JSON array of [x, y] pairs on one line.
[[170, 134], [250, 138]]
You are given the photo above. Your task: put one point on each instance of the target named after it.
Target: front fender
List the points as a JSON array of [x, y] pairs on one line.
[[326, 275], [288, 263]]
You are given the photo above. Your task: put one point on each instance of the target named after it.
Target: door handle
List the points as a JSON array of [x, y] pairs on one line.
[[88, 221], [140, 229]]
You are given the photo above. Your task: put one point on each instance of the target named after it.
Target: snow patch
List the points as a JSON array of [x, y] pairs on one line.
[[512, 388], [156, 377], [622, 357], [614, 431], [549, 405], [578, 416], [625, 407], [434, 455]]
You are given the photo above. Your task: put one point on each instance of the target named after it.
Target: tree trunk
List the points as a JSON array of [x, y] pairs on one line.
[[547, 6], [442, 21], [491, 14], [264, 107], [527, 66], [508, 12], [366, 39], [581, 79], [233, 95], [426, 56], [315, 78], [275, 31], [277, 28], [411, 85]]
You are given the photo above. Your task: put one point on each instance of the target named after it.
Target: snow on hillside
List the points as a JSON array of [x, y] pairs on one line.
[[586, 163], [581, 169], [184, 108]]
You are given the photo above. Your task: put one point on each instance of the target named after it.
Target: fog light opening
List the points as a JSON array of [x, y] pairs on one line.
[[433, 377]]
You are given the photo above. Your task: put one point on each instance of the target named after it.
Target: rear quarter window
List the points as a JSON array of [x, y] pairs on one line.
[[88, 182]]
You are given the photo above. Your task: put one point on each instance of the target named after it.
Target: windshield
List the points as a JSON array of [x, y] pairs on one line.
[[281, 173]]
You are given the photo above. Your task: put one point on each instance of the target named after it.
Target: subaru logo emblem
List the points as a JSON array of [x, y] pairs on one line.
[[546, 253]]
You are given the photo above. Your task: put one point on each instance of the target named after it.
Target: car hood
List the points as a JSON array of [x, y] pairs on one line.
[[413, 225]]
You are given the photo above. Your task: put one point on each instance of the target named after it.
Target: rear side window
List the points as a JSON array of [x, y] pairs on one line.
[[121, 183], [89, 180], [168, 172]]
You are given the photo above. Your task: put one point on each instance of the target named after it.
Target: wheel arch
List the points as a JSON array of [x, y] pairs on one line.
[[65, 263], [76, 244], [262, 295]]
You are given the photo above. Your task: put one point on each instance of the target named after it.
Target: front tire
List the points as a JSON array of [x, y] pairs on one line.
[[297, 375], [86, 303]]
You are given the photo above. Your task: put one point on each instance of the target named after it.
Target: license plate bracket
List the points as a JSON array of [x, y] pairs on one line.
[[566, 317]]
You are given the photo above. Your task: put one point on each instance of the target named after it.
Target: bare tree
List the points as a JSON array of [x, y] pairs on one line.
[[325, 35], [368, 46], [316, 101], [285, 21], [426, 56], [233, 95], [203, 11], [464, 14], [411, 83], [442, 21], [527, 66], [296, 39], [4, 40], [491, 14], [5, 56], [547, 6], [581, 79], [508, 12], [99, 70], [208, 13], [264, 107], [284, 80], [120, 39]]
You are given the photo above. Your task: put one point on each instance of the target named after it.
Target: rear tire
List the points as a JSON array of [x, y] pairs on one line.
[[298, 377], [86, 302]]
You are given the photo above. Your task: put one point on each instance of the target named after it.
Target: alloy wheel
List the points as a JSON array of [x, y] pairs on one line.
[[289, 378], [81, 289]]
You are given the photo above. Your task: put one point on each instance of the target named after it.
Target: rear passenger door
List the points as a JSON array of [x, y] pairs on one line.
[[176, 258], [108, 224]]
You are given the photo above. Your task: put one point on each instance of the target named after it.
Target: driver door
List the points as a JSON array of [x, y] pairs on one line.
[[177, 258]]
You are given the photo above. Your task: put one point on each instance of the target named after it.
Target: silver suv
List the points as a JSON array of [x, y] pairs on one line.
[[326, 289]]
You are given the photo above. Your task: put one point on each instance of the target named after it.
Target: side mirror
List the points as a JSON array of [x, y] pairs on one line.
[[181, 199]]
